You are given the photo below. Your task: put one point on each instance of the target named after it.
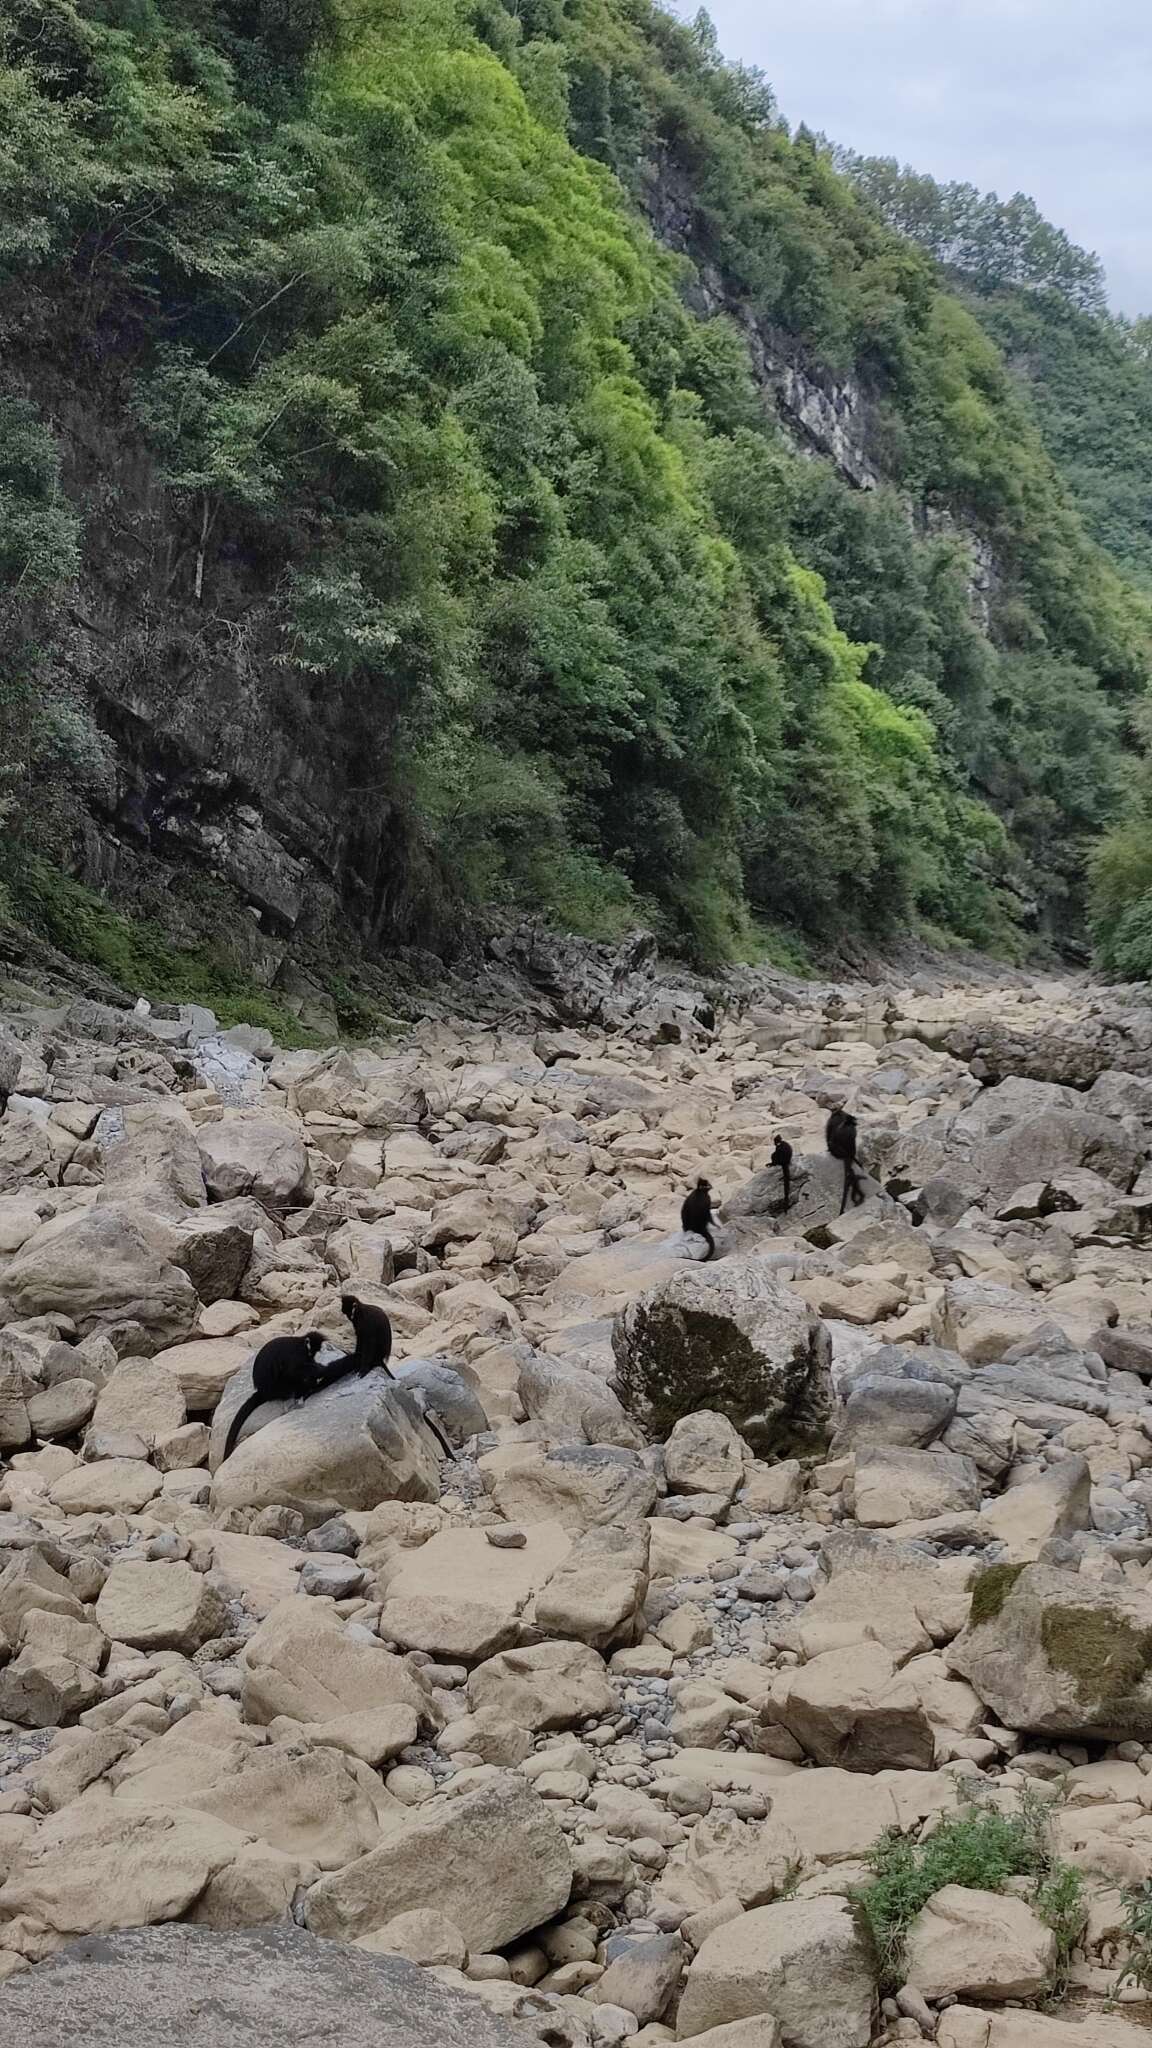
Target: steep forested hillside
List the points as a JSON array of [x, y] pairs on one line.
[[457, 454]]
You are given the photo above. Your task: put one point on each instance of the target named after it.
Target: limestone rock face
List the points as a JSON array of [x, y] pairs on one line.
[[1058, 1655], [805, 1962], [102, 1268], [548, 1686], [301, 1662], [891, 1486], [151, 1145], [854, 1710], [160, 1607], [704, 1454], [156, 1985], [581, 1486], [979, 1945], [897, 1398], [247, 1153], [352, 1446], [966, 2026], [728, 1338], [493, 1861]]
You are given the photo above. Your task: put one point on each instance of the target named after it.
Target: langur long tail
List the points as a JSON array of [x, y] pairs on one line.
[[245, 1409]]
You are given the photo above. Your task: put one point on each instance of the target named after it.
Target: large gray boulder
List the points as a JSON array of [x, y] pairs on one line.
[[247, 1153], [354, 1445], [1054, 1654], [817, 1190], [905, 1399], [105, 1267], [727, 1337], [151, 1146], [156, 1985], [494, 1861]]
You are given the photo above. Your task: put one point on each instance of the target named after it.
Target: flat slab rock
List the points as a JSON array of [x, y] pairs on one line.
[[156, 1985]]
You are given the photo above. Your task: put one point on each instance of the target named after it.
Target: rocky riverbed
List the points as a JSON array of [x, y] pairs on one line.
[[740, 1565]]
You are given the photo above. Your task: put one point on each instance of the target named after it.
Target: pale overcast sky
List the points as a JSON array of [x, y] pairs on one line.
[[1048, 97]]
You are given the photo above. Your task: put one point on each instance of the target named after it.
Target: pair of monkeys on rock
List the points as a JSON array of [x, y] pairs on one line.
[[840, 1134], [285, 1368]]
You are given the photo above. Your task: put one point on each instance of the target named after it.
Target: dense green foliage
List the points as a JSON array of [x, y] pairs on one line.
[[1087, 372], [371, 285], [981, 1849], [135, 954]]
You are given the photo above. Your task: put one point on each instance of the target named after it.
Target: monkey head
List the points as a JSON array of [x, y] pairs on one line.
[[350, 1307], [313, 1342]]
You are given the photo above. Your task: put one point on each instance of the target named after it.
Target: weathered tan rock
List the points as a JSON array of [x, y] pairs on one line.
[[353, 1445], [139, 1395], [979, 1945], [59, 1777], [214, 1246], [375, 1734], [493, 1861], [250, 1153], [897, 1485], [885, 1592], [1057, 1502], [160, 1607], [61, 1410], [455, 1630], [183, 1449], [29, 1582], [805, 1962], [457, 1588], [704, 1454], [573, 1406], [261, 1571], [16, 1386], [93, 1870], [644, 1980], [963, 2026], [306, 1802], [759, 2032], [727, 1338], [548, 1686], [581, 1486], [151, 1146], [42, 1689], [853, 1710], [302, 1662], [1055, 1653], [597, 1594], [424, 1936], [102, 1268], [109, 1486], [203, 1367]]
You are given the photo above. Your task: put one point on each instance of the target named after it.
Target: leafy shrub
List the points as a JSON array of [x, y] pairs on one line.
[[980, 1849]]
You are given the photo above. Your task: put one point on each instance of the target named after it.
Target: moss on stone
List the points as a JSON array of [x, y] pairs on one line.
[[1104, 1655], [990, 1591]]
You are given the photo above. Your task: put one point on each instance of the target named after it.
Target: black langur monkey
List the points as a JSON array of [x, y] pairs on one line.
[[284, 1369], [782, 1157], [374, 1348], [373, 1335], [696, 1215], [840, 1138]]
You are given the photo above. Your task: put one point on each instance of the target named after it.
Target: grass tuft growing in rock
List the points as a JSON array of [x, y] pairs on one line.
[[980, 1849]]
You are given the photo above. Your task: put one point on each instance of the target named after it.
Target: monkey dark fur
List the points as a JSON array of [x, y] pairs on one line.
[[696, 1214], [284, 1369]]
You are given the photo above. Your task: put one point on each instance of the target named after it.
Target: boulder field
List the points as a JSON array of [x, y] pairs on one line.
[[751, 1581]]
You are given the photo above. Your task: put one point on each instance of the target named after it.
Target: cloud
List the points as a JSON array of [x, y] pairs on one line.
[[1048, 97]]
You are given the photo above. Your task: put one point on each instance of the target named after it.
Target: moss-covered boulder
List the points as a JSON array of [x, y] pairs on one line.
[[732, 1339], [1054, 1654]]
